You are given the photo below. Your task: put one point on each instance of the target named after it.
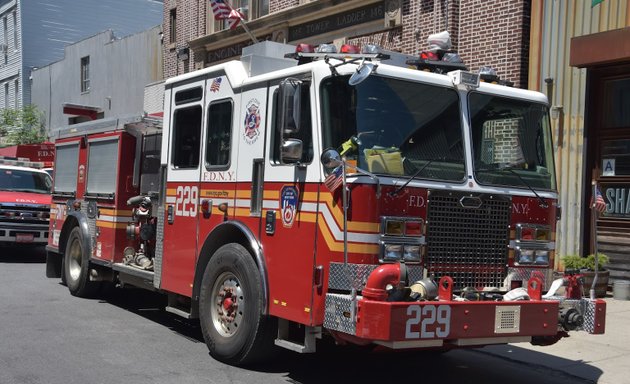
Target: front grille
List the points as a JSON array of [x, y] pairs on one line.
[[467, 238], [24, 214]]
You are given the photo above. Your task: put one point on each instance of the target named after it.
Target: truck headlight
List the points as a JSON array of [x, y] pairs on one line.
[[393, 252], [411, 253], [525, 256], [532, 257], [542, 258]]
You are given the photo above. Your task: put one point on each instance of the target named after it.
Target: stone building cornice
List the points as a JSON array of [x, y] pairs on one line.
[[282, 20]]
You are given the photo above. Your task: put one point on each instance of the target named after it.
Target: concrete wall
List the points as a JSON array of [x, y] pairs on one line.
[[119, 70]]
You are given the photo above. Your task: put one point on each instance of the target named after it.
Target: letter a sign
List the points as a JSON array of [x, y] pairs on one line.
[[608, 167]]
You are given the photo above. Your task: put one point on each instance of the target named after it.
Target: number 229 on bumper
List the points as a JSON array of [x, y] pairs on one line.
[[428, 321]]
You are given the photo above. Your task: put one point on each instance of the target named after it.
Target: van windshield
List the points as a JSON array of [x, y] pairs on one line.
[[394, 127], [16, 180]]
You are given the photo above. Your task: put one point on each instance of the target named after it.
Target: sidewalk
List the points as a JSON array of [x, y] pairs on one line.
[[595, 358]]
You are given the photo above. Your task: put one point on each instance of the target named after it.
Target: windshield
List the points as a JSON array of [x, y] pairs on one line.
[[394, 127], [24, 181], [511, 142]]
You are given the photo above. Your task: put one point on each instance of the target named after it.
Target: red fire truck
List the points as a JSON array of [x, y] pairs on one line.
[[343, 195], [24, 202]]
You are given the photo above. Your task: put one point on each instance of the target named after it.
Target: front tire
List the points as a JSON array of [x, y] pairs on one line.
[[231, 308], [76, 267]]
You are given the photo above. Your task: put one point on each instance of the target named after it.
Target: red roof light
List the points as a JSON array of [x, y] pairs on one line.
[[349, 48]]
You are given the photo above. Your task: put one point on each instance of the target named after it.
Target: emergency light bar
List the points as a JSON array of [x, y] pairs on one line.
[[307, 51], [21, 162]]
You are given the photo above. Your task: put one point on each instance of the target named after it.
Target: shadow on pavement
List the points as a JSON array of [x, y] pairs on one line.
[[150, 305], [349, 364], [22, 254]]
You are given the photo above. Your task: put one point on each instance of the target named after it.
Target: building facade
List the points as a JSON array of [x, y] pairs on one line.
[[99, 77], [580, 57], [33, 33], [483, 32]]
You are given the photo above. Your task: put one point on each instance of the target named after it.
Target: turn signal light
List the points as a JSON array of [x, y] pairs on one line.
[[413, 228], [394, 228]]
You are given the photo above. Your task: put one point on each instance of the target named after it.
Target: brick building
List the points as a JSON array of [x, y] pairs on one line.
[[489, 33]]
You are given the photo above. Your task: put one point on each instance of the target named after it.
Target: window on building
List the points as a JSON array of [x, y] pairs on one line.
[[85, 74], [17, 93], [6, 95], [15, 30], [173, 26], [251, 9], [5, 39]]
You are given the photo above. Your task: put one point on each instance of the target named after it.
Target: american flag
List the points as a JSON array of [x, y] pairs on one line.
[[216, 85], [335, 179], [234, 18], [598, 202], [221, 9]]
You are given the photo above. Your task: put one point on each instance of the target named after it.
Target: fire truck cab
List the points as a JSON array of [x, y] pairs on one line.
[[281, 200], [24, 202]]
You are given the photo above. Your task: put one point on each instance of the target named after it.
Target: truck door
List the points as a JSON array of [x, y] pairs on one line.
[[182, 186], [290, 210]]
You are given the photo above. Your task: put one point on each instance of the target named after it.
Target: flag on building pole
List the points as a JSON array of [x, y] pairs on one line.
[[234, 18], [222, 10]]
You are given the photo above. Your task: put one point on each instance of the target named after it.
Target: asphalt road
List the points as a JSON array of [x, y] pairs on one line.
[[48, 336]]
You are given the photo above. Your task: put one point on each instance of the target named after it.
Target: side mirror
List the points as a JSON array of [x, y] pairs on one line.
[[331, 159], [362, 73], [290, 92], [291, 151]]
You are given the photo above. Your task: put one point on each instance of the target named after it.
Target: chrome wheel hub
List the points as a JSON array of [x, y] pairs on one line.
[[227, 304]]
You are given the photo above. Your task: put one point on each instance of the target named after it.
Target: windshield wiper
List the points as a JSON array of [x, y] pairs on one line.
[[395, 192], [541, 201]]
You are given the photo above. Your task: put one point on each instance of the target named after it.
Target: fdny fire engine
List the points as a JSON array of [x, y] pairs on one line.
[[348, 195]]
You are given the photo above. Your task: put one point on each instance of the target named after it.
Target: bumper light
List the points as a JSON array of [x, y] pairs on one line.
[[411, 253], [532, 257], [393, 252]]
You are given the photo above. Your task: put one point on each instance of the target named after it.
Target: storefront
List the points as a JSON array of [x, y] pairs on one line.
[[606, 56]]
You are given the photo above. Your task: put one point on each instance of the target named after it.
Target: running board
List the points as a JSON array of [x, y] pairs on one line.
[[301, 346], [134, 276], [181, 306]]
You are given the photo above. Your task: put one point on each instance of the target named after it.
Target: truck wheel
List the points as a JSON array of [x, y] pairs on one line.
[[231, 306], [76, 267]]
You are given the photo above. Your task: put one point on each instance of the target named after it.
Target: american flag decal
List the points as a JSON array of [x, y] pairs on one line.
[[216, 85]]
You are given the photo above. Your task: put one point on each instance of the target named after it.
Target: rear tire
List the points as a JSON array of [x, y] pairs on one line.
[[77, 267], [231, 308]]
